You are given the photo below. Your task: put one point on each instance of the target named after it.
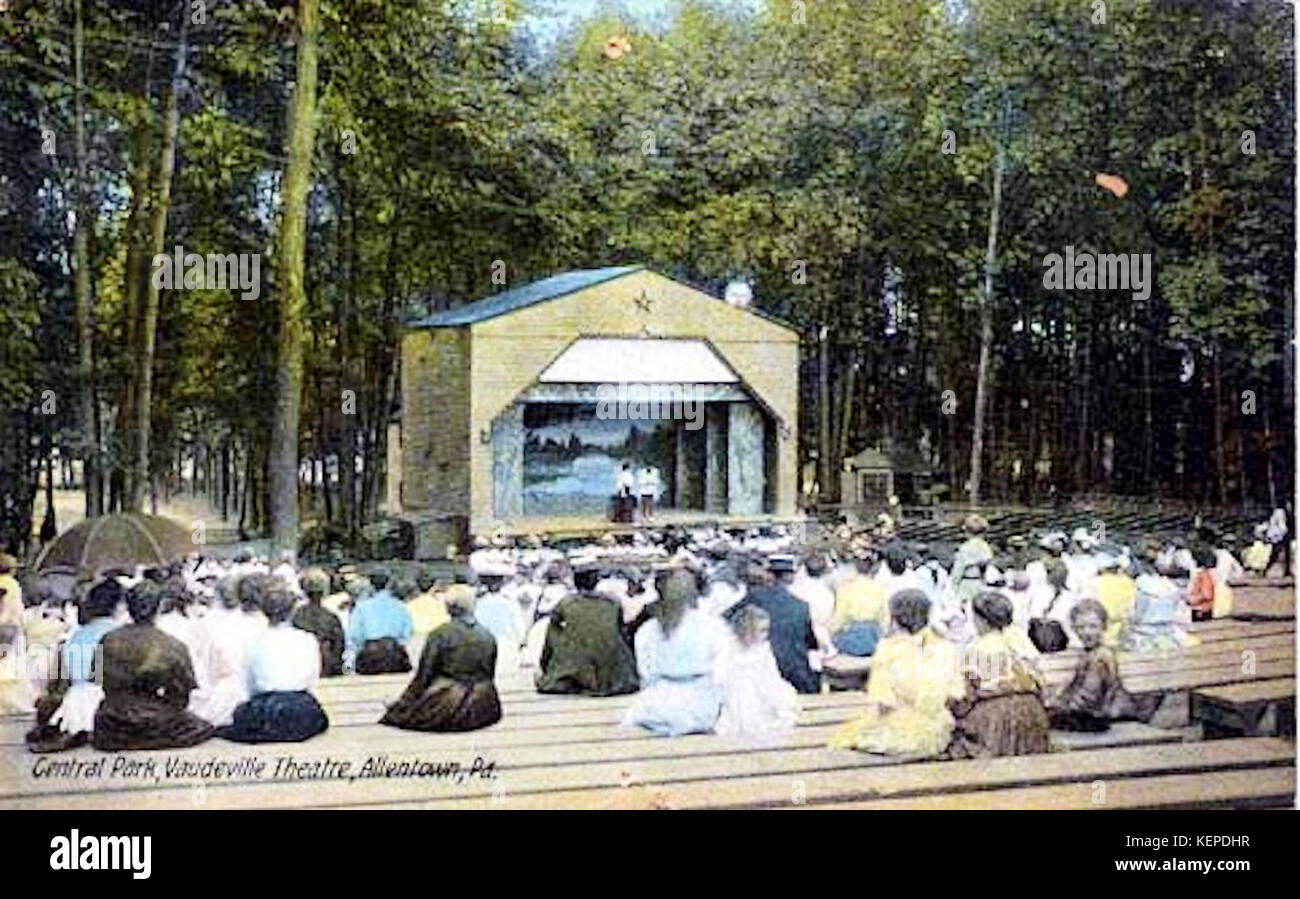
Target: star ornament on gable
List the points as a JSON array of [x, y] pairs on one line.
[[643, 302]]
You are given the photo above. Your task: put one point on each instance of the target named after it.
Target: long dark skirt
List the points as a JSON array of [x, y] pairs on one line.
[[383, 656], [277, 717], [141, 723], [447, 705], [1014, 724]]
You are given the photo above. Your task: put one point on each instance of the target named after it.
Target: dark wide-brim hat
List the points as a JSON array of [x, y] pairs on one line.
[[781, 564]]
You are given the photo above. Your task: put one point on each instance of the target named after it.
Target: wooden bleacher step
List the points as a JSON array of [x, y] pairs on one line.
[[1254, 708]]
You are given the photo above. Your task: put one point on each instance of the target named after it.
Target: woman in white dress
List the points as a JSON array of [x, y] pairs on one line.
[[677, 653], [282, 665], [230, 630], [755, 698]]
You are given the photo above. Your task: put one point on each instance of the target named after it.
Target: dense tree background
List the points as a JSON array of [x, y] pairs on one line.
[[841, 155]]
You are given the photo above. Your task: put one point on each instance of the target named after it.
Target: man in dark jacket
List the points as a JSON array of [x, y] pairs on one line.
[[585, 651], [453, 688], [792, 633]]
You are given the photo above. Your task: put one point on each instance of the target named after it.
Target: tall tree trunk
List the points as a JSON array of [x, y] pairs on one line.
[[348, 420], [1148, 417], [50, 526], [1220, 465], [300, 139], [823, 414], [382, 391], [139, 479], [134, 276], [1082, 475], [225, 479], [321, 454], [986, 332], [846, 413], [81, 287]]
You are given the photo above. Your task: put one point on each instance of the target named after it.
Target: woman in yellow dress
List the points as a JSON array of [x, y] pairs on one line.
[[913, 675], [1117, 593]]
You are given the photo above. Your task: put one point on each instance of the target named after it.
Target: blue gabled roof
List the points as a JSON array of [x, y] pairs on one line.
[[523, 297]]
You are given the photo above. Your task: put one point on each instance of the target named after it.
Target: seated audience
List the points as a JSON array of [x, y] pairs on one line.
[[500, 614], [453, 687], [1117, 593], [73, 718], [229, 630], [1050, 610], [1095, 696], [792, 635], [677, 651], [809, 585], [755, 698], [1002, 710], [584, 651], [16, 693], [861, 612], [428, 609], [914, 675], [378, 628], [1201, 585], [283, 665], [1157, 615], [321, 623], [147, 681]]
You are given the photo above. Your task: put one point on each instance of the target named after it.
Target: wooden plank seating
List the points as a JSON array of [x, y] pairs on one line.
[[1222, 644], [552, 751], [1255, 788], [963, 778], [522, 768], [1255, 708]]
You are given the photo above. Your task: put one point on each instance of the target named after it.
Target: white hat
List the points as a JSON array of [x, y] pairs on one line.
[[1047, 540], [1083, 538]]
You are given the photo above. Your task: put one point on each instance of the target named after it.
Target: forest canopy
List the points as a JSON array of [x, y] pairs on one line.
[[889, 176]]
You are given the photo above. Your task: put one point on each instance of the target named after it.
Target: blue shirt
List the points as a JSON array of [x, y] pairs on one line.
[[79, 649], [378, 616]]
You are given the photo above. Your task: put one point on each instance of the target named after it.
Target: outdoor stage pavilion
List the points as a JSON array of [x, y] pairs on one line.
[[520, 409]]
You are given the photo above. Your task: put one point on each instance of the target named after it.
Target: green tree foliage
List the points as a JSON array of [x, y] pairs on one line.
[[839, 155]]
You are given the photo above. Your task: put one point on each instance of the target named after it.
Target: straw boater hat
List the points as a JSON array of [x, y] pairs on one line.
[[975, 524]]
